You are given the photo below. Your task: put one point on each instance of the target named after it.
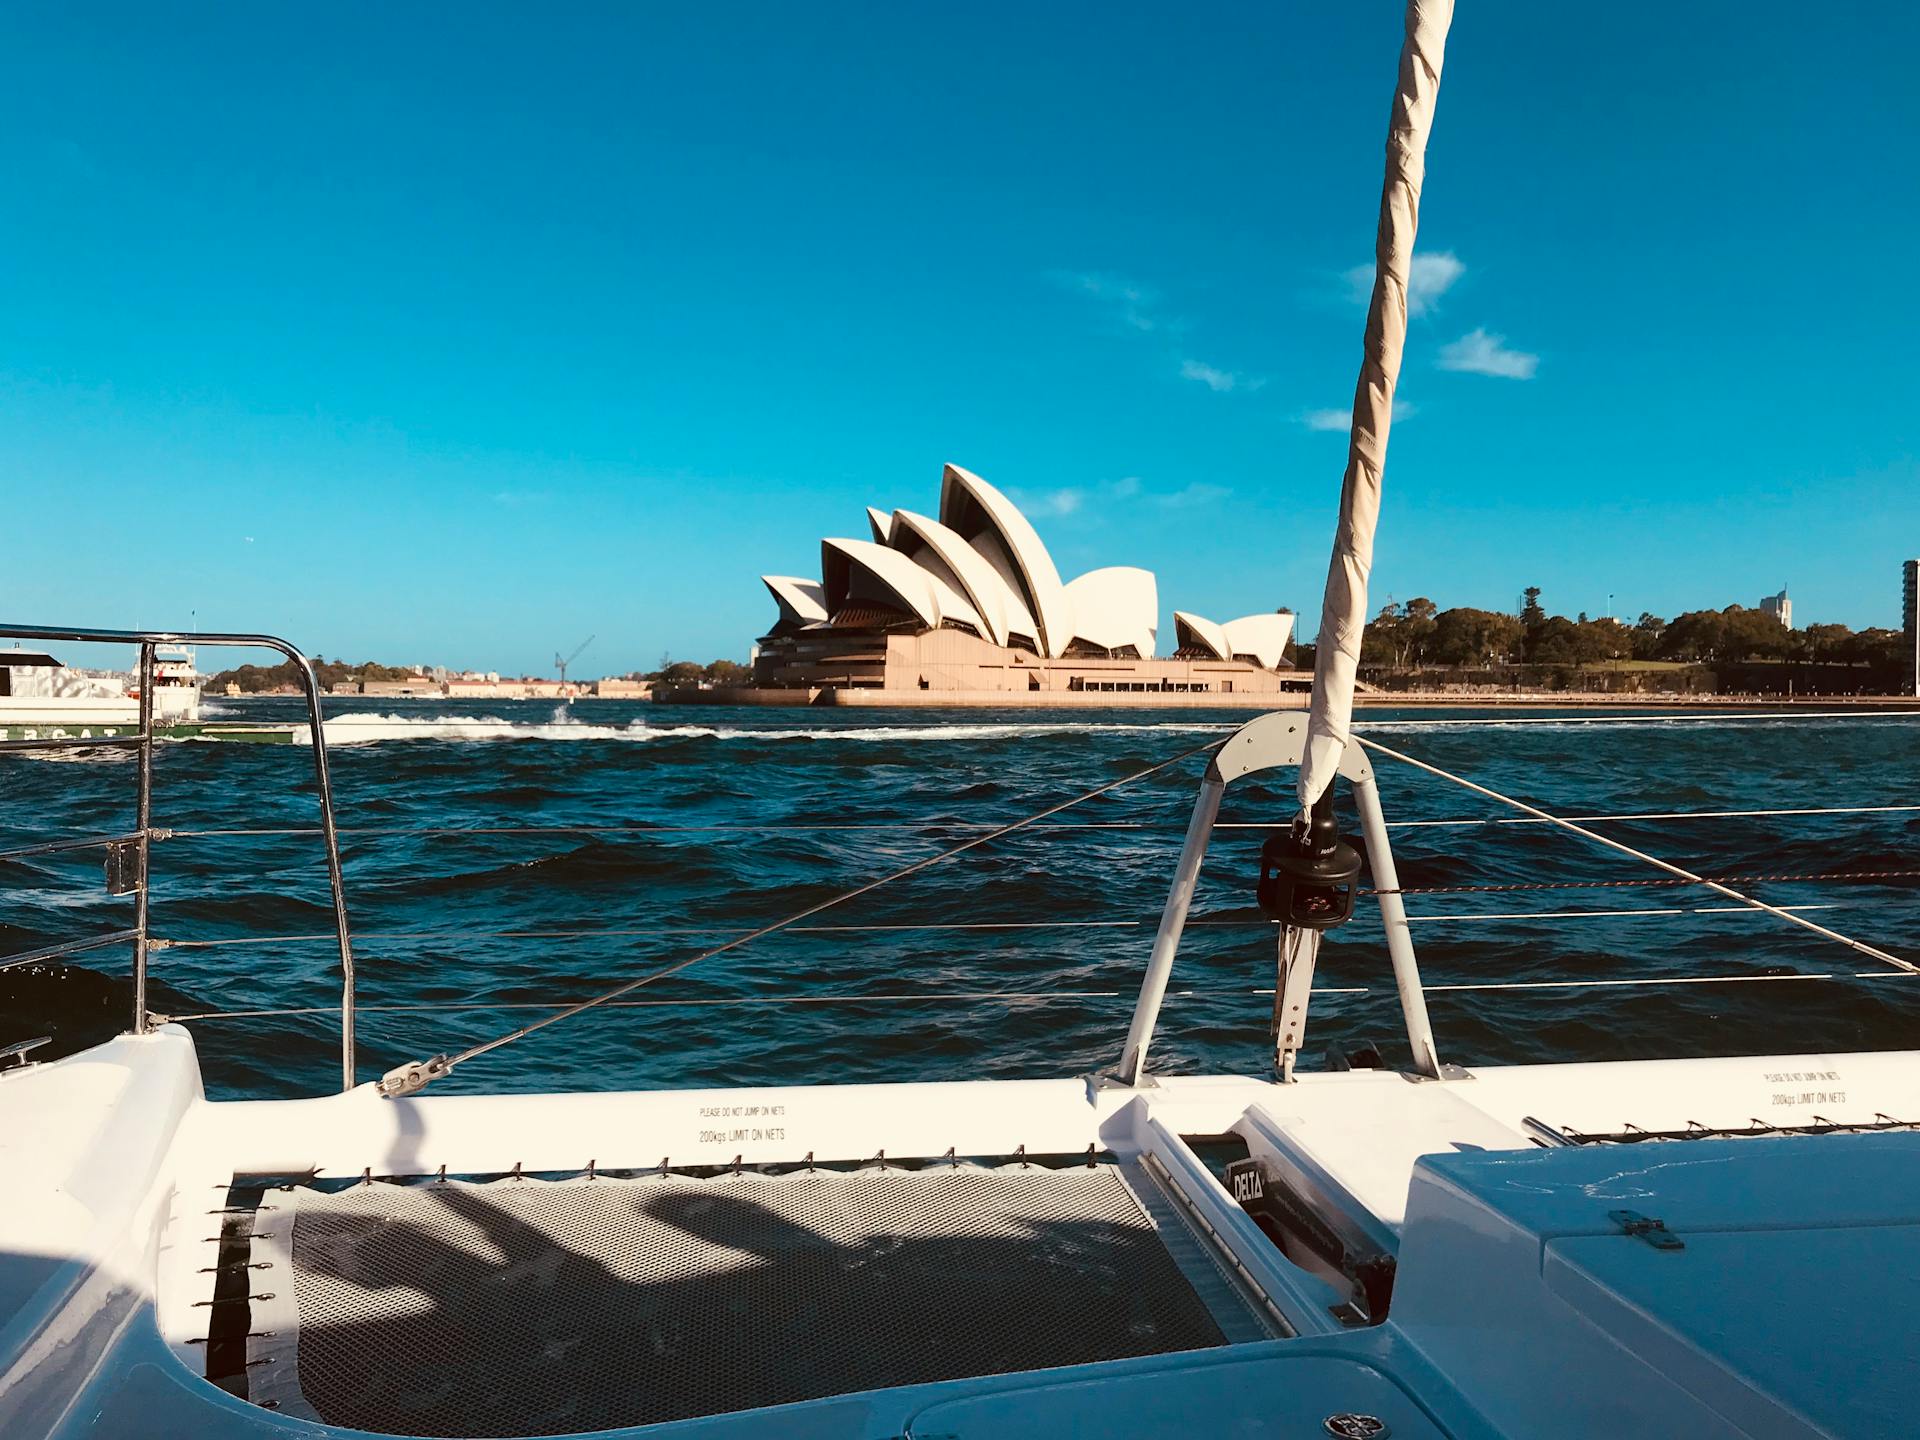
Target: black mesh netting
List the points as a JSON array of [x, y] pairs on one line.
[[530, 1308]]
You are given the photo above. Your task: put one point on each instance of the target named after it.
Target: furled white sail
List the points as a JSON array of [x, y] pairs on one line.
[[1343, 612]]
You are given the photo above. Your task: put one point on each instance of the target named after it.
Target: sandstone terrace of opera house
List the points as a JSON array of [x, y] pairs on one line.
[[970, 609]]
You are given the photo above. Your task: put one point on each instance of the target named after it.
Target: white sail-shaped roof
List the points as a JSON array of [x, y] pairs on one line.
[[862, 570], [1002, 612], [801, 602], [994, 526], [1196, 632], [1115, 607], [980, 565], [1264, 637]]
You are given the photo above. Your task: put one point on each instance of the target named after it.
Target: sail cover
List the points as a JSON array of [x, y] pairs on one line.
[[1343, 611]]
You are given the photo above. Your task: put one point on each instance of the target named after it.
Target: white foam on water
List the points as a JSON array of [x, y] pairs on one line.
[[373, 729], [984, 730]]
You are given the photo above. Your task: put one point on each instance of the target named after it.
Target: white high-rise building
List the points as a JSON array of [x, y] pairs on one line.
[[1910, 621], [1779, 607]]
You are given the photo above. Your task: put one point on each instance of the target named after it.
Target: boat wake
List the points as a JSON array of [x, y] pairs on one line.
[[375, 729]]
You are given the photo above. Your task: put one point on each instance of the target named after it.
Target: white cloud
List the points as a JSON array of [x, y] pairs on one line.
[[1133, 303], [1095, 504], [1478, 353], [1429, 277], [1197, 493], [1050, 504], [1136, 307], [1217, 380], [1342, 420]]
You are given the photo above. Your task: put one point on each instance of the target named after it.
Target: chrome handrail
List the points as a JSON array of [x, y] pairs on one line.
[[144, 832]]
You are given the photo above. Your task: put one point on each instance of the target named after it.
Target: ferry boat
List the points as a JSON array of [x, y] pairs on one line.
[[1716, 1249], [41, 696]]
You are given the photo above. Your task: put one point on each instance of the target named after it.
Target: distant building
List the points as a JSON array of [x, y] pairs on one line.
[[1910, 619], [1779, 607], [972, 603], [412, 685], [616, 689], [530, 687]]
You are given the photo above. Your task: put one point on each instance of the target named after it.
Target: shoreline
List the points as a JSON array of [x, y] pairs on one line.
[[1258, 702], [1091, 700], [1572, 700]]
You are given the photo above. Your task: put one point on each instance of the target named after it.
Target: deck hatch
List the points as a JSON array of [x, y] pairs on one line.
[[536, 1307]]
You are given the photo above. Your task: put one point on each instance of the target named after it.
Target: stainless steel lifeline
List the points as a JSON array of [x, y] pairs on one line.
[[143, 847], [144, 832]]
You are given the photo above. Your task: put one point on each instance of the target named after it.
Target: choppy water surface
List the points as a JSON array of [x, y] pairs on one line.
[[721, 820]]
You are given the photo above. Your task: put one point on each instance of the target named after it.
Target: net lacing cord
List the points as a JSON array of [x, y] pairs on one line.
[[1684, 876], [416, 1075]]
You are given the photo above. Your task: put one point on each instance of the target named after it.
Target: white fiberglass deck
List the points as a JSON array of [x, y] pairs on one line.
[[1520, 1307]]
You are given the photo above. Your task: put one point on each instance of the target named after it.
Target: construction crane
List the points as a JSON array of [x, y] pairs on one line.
[[561, 664]]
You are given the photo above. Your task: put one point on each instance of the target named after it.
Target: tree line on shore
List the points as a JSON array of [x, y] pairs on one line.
[[1415, 635], [1418, 634], [264, 679]]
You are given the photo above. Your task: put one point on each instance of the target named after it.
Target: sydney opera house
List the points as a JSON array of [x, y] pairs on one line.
[[971, 607]]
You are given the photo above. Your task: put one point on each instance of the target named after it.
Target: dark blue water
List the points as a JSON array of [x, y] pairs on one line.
[[864, 794]]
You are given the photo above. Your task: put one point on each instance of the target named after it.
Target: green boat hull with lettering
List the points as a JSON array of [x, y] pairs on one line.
[[232, 731]]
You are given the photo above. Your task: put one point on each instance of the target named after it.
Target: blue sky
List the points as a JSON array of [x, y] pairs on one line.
[[458, 334]]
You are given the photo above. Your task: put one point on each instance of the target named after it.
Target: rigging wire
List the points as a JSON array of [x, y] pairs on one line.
[[977, 997], [1686, 876], [650, 931], [1723, 880], [923, 826], [1662, 815], [1532, 816], [408, 1078]]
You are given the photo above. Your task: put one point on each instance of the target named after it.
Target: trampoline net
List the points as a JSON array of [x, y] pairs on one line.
[[527, 1307]]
